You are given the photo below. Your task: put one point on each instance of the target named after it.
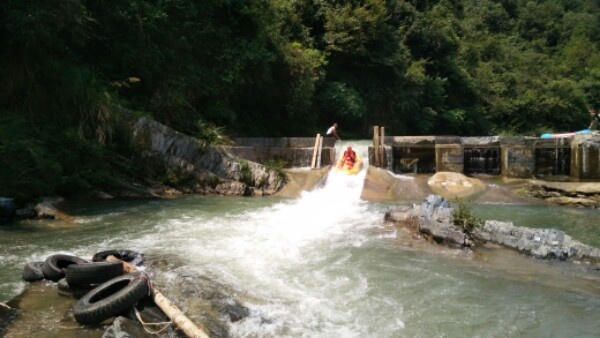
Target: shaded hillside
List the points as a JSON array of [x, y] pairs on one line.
[[279, 68]]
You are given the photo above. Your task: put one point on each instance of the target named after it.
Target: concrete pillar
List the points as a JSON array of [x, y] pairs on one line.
[[449, 154], [585, 157], [518, 161]]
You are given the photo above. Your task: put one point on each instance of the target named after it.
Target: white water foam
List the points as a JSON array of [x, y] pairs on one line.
[[282, 255], [323, 265]]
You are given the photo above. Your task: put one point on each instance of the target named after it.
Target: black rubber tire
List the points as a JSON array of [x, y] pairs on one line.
[[111, 298], [93, 272], [55, 265], [32, 271], [124, 255], [73, 291]]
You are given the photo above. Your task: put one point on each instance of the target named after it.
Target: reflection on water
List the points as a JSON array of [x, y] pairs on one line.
[[326, 265]]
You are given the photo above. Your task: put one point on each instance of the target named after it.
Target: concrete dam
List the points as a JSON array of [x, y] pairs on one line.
[[576, 157]]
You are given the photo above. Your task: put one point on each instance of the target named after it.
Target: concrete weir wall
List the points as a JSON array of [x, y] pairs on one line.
[[294, 152], [510, 156], [577, 157]]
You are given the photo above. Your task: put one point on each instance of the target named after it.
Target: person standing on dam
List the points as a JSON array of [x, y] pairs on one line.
[[595, 118], [332, 131]]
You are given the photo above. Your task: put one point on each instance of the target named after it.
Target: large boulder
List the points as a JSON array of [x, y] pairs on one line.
[[433, 219], [47, 208], [436, 220], [453, 185], [188, 164]]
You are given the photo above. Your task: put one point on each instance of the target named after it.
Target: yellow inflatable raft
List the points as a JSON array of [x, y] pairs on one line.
[[348, 169]]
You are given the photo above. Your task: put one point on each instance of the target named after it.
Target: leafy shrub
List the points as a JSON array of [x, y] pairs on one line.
[[210, 133], [278, 166], [463, 217], [246, 174]]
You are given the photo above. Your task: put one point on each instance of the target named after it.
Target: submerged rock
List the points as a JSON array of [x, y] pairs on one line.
[[123, 327], [433, 218], [48, 208]]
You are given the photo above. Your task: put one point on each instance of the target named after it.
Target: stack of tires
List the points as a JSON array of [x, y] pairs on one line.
[[102, 287]]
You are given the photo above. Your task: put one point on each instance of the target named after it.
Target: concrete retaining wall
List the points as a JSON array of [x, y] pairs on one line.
[[517, 156], [294, 152]]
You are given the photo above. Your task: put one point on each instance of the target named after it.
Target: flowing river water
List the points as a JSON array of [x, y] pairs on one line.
[[326, 265]]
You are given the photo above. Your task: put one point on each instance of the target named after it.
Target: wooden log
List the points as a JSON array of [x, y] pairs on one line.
[[182, 322]]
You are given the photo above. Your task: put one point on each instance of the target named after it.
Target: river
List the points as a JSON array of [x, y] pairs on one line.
[[326, 265]]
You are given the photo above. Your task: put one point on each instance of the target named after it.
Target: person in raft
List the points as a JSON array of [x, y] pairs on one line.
[[595, 118], [332, 131], [348, 159]]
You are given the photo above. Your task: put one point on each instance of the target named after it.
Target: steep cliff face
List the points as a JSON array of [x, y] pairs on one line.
[[189, 165]]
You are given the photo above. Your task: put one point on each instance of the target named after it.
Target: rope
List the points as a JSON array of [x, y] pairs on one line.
[[148, 282], [144, 324]]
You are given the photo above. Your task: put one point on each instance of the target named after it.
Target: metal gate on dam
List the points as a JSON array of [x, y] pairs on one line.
[[576, 157]]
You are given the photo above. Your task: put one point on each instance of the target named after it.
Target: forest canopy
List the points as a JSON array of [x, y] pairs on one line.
[[280, 68]]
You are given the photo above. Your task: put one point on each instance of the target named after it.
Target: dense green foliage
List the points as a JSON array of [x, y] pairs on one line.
[[280, 68]]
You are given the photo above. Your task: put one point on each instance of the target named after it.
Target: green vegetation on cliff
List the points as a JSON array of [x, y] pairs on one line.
[[279, 68]]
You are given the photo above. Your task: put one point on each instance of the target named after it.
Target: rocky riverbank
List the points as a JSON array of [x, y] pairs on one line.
[[436, 220], [47, 306], [173, 164]]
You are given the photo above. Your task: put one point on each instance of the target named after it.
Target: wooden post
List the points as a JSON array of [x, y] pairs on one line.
[[376, 145], [182, 322], [314, 157], [320, 145], [382, 149]]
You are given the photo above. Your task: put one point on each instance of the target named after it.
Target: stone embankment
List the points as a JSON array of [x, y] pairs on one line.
[[434, 219]]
